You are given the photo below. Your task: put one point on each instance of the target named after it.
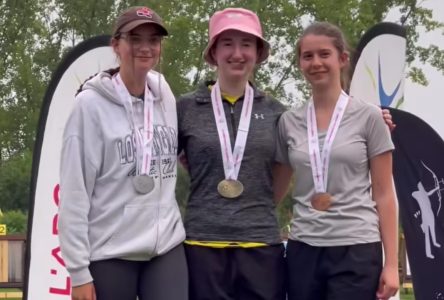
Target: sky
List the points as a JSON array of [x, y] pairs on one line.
[[427, 102]]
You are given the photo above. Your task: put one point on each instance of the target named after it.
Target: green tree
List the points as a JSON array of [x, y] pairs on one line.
[[21, 90], [15, 182], [15, 220], [21, 85]]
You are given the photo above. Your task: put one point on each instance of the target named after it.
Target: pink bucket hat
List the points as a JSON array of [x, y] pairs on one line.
[[239, 19]]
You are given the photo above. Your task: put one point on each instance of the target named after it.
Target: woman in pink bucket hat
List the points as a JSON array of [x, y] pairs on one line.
[[227, 133]]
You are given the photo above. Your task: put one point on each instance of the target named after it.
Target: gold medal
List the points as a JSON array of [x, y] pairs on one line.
[[230, 188], [321, 201]]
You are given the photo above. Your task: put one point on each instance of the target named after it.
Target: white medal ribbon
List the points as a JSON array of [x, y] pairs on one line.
[[144, 139], [320, 161], [232, 159]]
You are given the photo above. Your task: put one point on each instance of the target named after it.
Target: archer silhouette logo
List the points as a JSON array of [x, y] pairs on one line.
[[424, 200], [384, 98]]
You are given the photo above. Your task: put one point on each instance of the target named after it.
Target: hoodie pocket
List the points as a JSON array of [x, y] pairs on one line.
[[137, 233], [171, 231]]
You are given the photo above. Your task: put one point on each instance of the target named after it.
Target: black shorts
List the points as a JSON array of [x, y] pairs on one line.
[[236, 273], [333, 273], [164, 277]]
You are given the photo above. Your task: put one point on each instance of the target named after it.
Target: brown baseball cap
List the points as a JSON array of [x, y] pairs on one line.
[[136, 16]]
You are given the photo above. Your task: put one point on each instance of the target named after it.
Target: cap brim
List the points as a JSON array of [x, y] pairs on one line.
[[262, 56], [133, 24]]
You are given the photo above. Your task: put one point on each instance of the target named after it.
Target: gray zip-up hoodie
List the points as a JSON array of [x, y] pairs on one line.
[[101, 215]]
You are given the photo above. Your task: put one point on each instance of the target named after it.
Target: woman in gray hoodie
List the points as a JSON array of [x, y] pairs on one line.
[[120, 228]]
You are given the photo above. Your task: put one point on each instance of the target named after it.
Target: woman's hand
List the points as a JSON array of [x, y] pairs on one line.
[[84, 292], [281, 180], [388, 119], [388, 283]]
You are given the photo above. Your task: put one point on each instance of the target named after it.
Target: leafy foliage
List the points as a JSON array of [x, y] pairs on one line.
[[15, 220], [15, 176]]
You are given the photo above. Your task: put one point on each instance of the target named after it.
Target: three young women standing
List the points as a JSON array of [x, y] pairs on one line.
[[119, 223]]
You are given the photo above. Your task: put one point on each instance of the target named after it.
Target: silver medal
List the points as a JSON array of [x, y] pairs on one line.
[[143, 184]]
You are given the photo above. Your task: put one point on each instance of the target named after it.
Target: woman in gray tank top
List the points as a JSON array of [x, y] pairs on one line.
[[342, 219]]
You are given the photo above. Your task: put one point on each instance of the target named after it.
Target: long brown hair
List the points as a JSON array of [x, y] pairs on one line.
[[339, 42]]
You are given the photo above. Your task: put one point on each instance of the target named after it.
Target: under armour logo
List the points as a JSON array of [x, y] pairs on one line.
[[259, 116]]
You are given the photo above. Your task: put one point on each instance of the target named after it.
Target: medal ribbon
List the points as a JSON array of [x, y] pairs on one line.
[[144, 139], [319, 161], [232, 159]]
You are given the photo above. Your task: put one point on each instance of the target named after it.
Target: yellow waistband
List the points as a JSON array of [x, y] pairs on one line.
[[225, 244]]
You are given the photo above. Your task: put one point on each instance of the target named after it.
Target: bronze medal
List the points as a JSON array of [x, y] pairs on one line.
[[230, 188], [321, 201]]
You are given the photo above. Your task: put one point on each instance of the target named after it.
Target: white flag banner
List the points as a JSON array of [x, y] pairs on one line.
[[45, 273], [379, 68]]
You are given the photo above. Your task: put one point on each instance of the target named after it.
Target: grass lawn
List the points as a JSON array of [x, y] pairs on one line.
[[407, 296], [9, 291]]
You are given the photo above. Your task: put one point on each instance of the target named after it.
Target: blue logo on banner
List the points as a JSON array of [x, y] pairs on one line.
[[384, 98]]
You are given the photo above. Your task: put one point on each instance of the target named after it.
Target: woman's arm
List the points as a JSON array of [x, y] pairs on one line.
[[384, 196], [80, 162], [281, 180]]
